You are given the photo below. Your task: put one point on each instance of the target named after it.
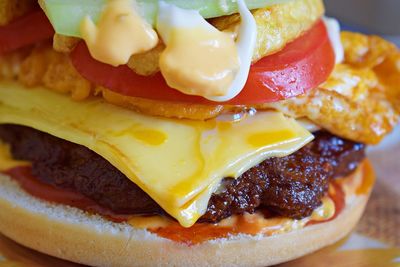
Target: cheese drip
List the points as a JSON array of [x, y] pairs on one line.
[[6, 160], [179, 163]]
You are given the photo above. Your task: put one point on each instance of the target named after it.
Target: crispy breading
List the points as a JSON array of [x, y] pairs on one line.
[[365, 52], [361, 99], [12, 9], [382, 56], [64, 44], [157, 108], [277, 25], [147, 63], [10, 63], [46, 67]]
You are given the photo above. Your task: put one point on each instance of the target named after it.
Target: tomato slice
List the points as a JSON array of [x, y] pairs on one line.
[[301, 66], [26, 30]]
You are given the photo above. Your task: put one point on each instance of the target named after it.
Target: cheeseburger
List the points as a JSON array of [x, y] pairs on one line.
[[187, 133]]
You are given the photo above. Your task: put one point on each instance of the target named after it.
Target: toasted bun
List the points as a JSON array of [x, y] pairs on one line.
[[74, 235]]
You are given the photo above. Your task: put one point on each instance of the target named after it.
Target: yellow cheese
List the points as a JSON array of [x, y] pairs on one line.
[[6, 160], [325, 211], [179, 163]]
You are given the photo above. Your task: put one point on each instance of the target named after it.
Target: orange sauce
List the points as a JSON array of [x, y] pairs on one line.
[[196, 234], [359, 183], [120, 33], [368, 180], [337, 194], [249, 224], [199, 60]]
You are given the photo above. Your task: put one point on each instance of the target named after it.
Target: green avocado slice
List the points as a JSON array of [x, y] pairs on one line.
[[66, 15]]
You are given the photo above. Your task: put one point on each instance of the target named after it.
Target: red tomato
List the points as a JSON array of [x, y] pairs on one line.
[[301, 66], [26, 30]]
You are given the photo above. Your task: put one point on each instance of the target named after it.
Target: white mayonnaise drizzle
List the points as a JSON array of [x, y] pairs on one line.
[[246, 44], [333, 27]]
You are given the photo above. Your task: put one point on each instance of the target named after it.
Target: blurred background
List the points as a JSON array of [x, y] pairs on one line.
[[380, 17]]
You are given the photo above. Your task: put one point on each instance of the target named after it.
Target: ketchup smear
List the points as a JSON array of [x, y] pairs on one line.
[[196, 234], [23, 175]]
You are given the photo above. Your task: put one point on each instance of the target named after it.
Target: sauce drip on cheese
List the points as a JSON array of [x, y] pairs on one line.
[[119, 34], [262, 139], [6, 160]]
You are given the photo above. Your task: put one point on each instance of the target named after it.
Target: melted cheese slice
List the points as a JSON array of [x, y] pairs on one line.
[[179, 163]]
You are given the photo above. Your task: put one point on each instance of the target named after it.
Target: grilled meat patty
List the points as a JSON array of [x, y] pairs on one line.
[[291, 186]]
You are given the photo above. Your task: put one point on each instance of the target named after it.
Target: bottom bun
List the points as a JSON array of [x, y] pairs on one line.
[[74, 235]]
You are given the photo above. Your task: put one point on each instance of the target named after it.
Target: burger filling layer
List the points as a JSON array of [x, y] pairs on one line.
[[291, 186], [179, 163], [197, 171]]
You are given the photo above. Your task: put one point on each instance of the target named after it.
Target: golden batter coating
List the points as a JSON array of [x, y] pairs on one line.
[[361, 98], [46, 67], [277, 25], [64, 44], [12, 9]]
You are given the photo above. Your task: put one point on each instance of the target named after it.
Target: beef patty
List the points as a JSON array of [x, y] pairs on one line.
[[291, 186]]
